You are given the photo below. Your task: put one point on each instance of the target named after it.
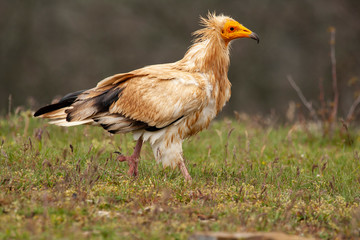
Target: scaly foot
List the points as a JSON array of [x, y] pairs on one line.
[[133, 160], [133, 164]]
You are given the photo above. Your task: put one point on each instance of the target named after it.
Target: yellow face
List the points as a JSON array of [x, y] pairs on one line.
[[233, 30]]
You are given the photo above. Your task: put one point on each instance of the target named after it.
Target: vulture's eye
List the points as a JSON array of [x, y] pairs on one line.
[[231, 29]]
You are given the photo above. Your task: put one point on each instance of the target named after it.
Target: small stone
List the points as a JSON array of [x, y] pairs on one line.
[[246, 236]]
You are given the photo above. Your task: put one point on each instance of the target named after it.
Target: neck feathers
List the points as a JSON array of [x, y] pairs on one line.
[[210, 55]]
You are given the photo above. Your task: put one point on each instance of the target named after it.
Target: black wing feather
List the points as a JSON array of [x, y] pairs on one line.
[[66, 101]]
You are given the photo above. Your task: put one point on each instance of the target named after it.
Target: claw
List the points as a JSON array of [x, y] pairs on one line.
[[122, 158], [132, 162]]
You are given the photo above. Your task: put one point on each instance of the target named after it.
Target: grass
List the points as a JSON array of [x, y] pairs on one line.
[[65, 183]]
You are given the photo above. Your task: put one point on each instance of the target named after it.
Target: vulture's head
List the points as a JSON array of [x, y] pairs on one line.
[[226, 27]]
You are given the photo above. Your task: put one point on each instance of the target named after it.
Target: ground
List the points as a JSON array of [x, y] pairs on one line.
[[248, 175]]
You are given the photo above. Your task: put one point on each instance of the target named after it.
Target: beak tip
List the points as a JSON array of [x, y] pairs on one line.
[[255, 37]]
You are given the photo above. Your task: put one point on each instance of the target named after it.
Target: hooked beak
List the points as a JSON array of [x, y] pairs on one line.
[[255, 37]]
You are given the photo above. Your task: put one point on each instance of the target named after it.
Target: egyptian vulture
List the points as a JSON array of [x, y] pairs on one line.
[[163, 104]]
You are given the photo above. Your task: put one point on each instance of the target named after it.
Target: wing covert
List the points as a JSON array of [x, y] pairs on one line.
[[159, 99]]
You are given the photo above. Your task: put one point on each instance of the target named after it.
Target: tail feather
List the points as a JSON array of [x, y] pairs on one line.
[[56, 108], [90, 107], [64, 123], [57, 112], [60, 113]]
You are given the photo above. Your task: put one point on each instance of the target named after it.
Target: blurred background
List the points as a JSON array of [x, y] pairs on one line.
[[50, 48]]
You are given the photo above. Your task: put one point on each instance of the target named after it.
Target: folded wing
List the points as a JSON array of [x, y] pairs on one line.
[[151, 98]]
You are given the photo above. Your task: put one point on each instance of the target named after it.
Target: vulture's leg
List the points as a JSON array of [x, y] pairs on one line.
[[133, 160], [184, 171]]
